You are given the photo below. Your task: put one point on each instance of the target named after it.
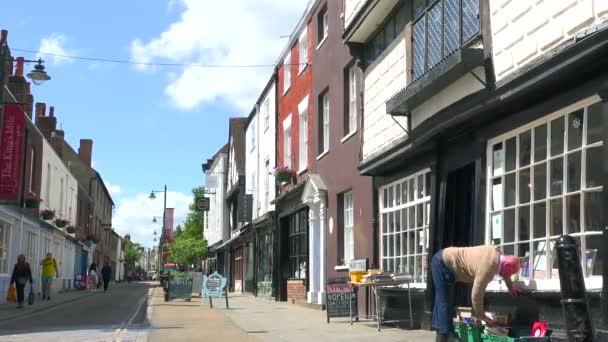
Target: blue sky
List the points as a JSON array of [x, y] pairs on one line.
[[150, 125]]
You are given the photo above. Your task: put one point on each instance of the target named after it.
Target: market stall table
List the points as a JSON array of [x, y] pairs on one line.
[[376, 288]]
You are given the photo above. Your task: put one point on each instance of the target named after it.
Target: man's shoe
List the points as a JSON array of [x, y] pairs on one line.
[[451, 337]]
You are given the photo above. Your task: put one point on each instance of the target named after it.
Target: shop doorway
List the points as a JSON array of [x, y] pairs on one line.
[[459, 213], [237, 270]]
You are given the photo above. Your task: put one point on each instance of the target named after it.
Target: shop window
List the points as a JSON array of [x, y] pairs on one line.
[[546, 180], [298, 245], [404, 221], [440, 28]]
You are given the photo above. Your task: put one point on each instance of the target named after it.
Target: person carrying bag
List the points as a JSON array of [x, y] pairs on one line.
[[11, 294], [22, 273], [31, 297]]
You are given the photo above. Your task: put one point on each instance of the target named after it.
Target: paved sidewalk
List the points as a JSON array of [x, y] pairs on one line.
[[279, 321], [179, 320], [9, 311]]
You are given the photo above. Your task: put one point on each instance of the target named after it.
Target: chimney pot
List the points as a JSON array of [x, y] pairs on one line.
[[3, 37], [20, 63], [51, 111]]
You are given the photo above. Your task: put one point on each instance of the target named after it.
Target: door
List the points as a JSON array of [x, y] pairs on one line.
[[237, 270], [459, 218]]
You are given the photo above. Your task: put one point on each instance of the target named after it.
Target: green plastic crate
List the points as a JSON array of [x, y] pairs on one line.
[[460, 330], [494, 338], [473, 333]]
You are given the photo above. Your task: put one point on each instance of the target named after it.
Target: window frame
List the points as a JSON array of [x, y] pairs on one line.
[[348, 226], [5, 237], [287, 142], [398, 19], [266, 113], [303, 50], [322, 26], [548, 281], [324, 128], [303, 143], [389, 206], [350, 113], [462, 41], [287, 72], [267, 184]]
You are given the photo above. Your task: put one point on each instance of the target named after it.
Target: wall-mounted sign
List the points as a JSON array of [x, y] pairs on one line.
[[11, 151], [357, 265]]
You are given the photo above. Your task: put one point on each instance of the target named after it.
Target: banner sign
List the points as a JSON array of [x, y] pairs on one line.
[[169, 217], [11, 152]]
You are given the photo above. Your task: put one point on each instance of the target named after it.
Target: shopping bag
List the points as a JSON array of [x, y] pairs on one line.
[[30, 297], [11, 295]]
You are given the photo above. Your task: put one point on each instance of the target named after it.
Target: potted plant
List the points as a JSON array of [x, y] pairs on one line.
[[60, 223], [283, 174], [47, 214], [32, 200], [71, 229]]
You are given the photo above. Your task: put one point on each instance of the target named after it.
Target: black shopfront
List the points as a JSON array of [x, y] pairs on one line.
[[516, 165]]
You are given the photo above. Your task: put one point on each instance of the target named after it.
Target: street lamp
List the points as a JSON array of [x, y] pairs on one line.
[[38, 75], [162, 235]]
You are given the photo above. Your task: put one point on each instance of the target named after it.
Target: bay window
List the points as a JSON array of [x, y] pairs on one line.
[[546, 181], [440, 28]]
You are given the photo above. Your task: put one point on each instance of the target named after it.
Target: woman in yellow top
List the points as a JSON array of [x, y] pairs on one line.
[[49, 270]]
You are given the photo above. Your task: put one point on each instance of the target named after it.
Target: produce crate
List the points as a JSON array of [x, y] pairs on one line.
[[494, 338], [468, 332]]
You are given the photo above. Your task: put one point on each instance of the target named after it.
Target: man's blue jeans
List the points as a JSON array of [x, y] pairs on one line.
[[443, 280]]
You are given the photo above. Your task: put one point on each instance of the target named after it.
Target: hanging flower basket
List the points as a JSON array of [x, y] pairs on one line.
[[33, 202], [71, 229], [60, 223], [47, 214], [282, 174]]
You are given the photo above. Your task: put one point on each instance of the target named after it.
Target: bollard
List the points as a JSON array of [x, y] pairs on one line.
[[574, 296]]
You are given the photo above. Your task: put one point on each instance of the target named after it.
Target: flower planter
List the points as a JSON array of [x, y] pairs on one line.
[[46, 215], [283, 176], [32, 203], [61, 223], [71, 230]]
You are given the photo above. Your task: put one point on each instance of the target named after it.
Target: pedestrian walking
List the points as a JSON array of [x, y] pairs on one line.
[[477, 265], [92, 279], [106, 272], [49, 270], [22, 273]]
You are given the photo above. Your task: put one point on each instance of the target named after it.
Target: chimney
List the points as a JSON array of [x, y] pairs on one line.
[[52, 112], [3, 37], [20, 63], [85, 151], [57, 141], [45, 124]]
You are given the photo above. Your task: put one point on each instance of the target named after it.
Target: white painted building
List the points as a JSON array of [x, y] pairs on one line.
[[216, 227]]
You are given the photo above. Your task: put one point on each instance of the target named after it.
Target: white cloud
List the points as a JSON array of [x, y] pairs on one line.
[[54, 44], [113, 189], [230, 32], [133, 215]]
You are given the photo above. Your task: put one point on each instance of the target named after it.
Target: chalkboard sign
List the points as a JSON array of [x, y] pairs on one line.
[[180, 286], [340, 294]]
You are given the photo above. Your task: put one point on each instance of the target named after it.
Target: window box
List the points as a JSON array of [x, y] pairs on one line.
[[460, 63], [283, 175], [47, 214], [71, 229], [61, 223], [33, 201]]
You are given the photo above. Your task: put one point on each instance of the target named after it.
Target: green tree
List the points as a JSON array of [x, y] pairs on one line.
[[193, 226], [178, 231], [187, 250], [132, 254]]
